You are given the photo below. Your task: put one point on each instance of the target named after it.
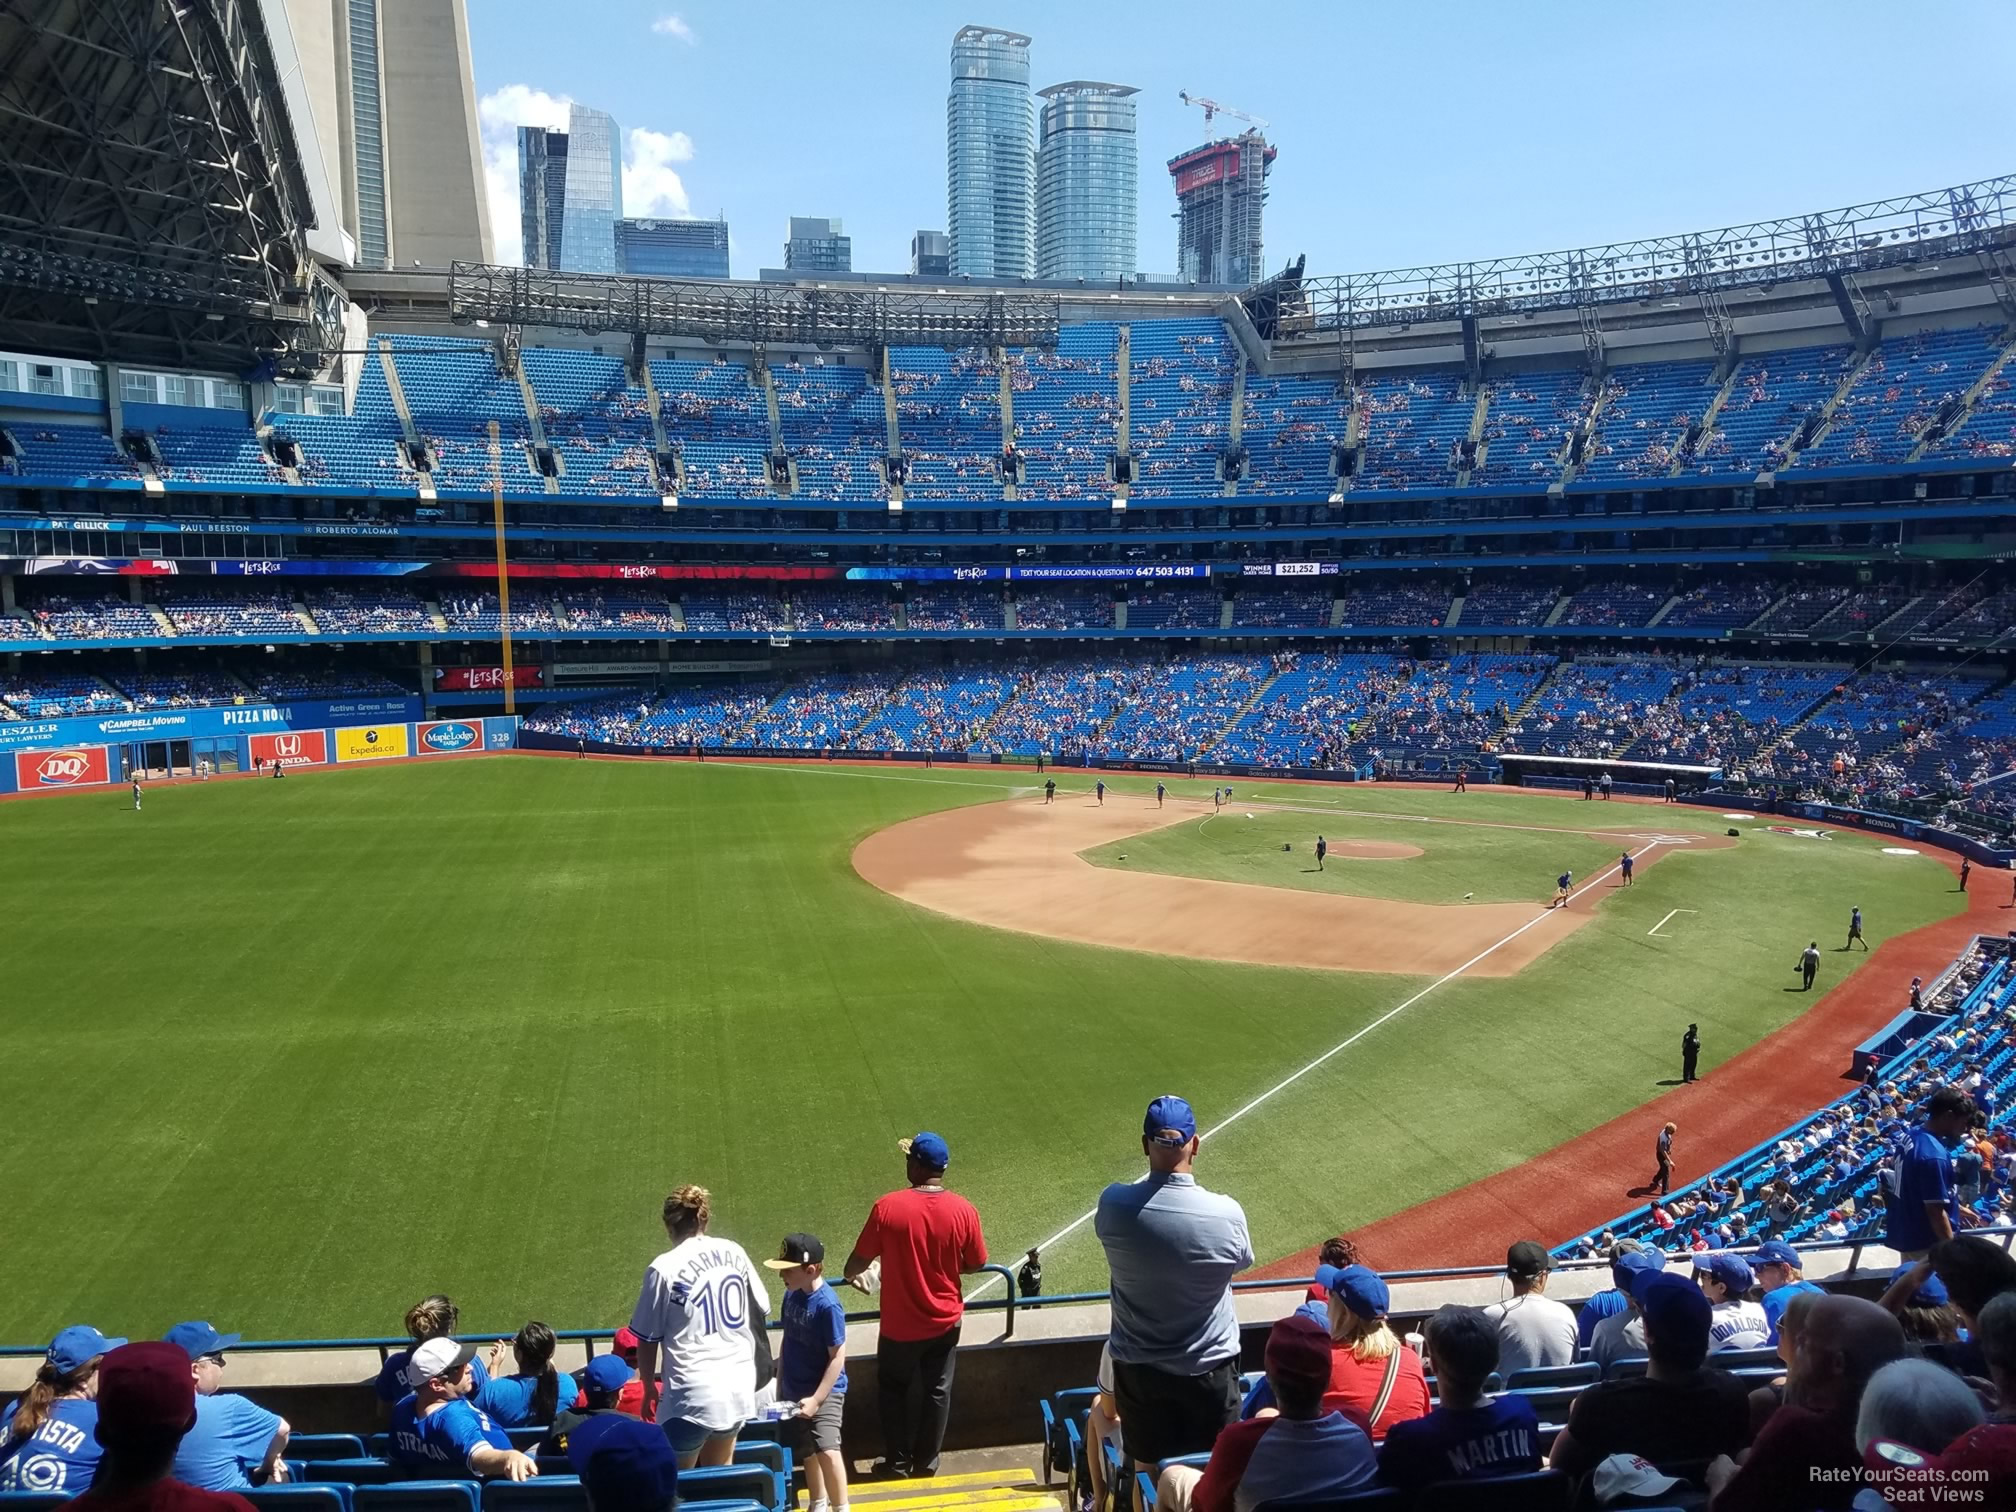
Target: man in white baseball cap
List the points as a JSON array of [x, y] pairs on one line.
[[1625, 1480], [436, 1427]]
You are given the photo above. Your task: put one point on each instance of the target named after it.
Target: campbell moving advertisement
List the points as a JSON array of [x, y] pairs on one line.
[[444, 737], [291, 749], [78, 766]]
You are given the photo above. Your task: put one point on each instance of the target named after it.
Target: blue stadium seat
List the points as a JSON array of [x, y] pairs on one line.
[[756, 1483], [299, 1498], [1058, 1414], [361, 1472], [417, 1496], [326, 1446], [1547, 1377], [1541, 1491]]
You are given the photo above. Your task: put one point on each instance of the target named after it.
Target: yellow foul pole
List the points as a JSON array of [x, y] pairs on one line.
[[503, 577]]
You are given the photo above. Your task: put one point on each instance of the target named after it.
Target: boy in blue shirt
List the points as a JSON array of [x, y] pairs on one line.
[[812, 1367], [1468, 1436], [435, 1427]]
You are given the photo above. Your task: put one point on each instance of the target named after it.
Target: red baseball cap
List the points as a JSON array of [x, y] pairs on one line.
[[145, 1391], [626, 1340], [1298, 1349]]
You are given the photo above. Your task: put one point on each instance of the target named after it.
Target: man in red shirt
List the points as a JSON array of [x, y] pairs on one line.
[[926, 1238], [146, 1403]]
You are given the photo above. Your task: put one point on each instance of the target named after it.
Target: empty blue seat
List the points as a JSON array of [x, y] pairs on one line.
[[1545, 1377], [417, 1496], [325, 1446], [299, 1498], [364, 1472]]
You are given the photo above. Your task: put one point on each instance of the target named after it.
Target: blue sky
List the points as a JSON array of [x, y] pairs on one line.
[[1407, 134]]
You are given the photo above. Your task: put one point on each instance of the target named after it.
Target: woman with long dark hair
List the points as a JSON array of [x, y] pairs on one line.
[[50, 1441], [535, 1391]]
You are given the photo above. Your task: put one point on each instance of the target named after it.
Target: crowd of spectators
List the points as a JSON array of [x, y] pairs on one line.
[[76, 616], [205, 611], [58, 695], [823, 608], [1064, 609], [369, 611], [1593, 708]]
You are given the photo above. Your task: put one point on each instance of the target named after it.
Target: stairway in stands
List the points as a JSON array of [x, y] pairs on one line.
[[1205, 747], [1009, 1489]]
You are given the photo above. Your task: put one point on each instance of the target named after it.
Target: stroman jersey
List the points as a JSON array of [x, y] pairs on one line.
[[445, 1437]]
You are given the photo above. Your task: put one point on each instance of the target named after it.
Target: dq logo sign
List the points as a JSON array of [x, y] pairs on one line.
[[293, 748], [77, 767], [447, 736]]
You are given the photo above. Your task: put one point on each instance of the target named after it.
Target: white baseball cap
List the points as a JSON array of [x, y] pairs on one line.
[[437, 1357], [1628, 1475]]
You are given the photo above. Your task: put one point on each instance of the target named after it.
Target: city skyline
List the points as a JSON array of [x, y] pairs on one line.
[[1390, 160]]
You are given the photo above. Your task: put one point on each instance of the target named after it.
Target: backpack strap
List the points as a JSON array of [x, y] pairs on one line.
[[1386, 1386]]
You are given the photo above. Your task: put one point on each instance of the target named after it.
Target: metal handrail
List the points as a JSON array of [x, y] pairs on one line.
[[385, 1344]]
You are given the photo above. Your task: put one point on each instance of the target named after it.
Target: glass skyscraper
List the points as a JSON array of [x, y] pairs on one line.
[[594, 200], [990, 169], [1088, 175], [673, 248]]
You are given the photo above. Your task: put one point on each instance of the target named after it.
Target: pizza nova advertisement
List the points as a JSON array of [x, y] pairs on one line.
[[77, 766], [371, 742], [291, 749]]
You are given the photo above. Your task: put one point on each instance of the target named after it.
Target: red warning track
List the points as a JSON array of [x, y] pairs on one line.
[[1578, 1185]]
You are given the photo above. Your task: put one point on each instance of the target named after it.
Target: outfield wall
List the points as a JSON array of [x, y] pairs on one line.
[[1862, 819], [299, 735]]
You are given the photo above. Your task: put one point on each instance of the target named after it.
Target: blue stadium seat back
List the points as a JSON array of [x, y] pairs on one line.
[[543, 1493], [379, 1444], [1541, 1491], [1372, 1499], [772, 1456], [1061, 1410], [1546, 1377], [757, 1483], [367, 1472], [32, 1501], [1626, 1369], [1251, 1379], [417, 1496], [299, 1498], [525, 1440], [1746, 1359], [326, 1446]]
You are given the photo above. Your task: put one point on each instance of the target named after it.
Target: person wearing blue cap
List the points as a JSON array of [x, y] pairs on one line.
[[1739, 1323], [1677, 1410], [1777, 1268], [1621, 1336], [235, 1443], [1609, 1302], [602, 1386], [1172, 1248], [50, 1443], [624, 1465], [926, 1238]]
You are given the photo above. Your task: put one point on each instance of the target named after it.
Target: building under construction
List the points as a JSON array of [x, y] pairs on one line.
[[1221, 189]]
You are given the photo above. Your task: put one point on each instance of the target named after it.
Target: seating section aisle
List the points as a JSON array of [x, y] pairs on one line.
[[1770, 394], [1180, 397], [821, 711], [1873, 713], [454, 390], [833, 425], [1455, 705], [713, 412], [1526, 429], [1305, 717], [1898, 393], [597, 424], [1066, 413], [1291, 423], [1057, 708], [943, 709], [1176, 711], [1647, 410], [1722, 715], [1989, 432], [1410, 425], [948, 407]]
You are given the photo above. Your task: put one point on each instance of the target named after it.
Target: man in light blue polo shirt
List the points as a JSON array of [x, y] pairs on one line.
[[234, 1441], [1173, 1249]]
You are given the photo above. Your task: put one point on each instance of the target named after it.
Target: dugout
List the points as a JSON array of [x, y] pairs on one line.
[[1645, 779]]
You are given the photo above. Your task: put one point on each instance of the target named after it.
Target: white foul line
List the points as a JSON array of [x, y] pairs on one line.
[[1662, 923], [1288, 1081]]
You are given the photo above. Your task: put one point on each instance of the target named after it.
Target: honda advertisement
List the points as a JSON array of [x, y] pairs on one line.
[[444, 737], [78, 766], [291, 749]]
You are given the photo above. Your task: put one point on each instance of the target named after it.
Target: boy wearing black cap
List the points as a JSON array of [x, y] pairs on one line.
[[1533, 1329], [812, 1368]]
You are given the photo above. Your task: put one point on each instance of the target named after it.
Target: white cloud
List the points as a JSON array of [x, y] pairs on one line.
[[675, 27], [651, 185]]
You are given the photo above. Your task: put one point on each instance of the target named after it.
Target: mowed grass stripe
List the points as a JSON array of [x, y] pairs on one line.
[[293, 1054]]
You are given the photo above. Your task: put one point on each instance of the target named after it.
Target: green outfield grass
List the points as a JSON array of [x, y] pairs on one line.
[[290, 1055]]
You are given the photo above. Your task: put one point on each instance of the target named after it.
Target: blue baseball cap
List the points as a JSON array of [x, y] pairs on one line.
[[625, 1465], [1359, 1288], [1169, 1114], [1629, 1266], [1932, 1293], [607, 1373], [78, 1343], [1674, 1308], [1776, 1252], [927, 1149], [199, 1339], [1733, 1271]]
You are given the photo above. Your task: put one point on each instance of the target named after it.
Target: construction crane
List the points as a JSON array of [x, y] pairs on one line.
[[1213, 108]]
